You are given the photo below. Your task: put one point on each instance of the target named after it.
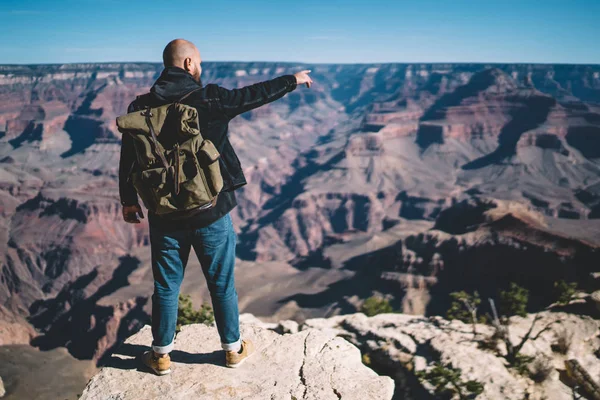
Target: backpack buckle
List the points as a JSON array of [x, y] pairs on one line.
[[147, 112]]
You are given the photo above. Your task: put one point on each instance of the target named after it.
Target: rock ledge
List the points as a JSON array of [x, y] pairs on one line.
[[310, 364]]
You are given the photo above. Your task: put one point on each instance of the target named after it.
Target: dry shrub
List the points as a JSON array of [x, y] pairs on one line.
[[540, 369], [490, 342], [563, 342]]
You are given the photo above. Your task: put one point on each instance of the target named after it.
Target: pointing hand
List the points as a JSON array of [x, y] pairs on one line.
[[303, 78]]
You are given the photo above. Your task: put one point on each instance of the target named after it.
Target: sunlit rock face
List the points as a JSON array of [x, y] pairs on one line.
[[409, 180], [305, 365], [402, 345]]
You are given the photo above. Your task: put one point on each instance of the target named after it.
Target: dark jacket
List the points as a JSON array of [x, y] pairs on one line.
[[216, 107]]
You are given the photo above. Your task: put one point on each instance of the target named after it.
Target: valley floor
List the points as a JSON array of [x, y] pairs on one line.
[[42, 375]]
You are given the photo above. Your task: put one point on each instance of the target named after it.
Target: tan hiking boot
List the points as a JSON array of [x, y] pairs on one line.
[[233, 359], [160, 365]]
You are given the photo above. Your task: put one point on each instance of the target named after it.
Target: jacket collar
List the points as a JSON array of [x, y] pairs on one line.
[[173, 83]]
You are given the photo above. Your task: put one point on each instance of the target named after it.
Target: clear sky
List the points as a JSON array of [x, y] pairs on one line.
[[312, 31]]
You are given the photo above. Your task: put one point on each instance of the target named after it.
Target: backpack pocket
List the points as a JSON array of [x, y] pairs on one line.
[[149, 184], [194, 190], [208, 157]]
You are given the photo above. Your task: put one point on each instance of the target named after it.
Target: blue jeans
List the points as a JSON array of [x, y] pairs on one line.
[[215, 247]]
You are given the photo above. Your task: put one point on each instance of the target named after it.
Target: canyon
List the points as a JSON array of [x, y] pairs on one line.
[[408, 181]]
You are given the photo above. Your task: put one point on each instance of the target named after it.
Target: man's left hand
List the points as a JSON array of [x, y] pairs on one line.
[[130, 214]]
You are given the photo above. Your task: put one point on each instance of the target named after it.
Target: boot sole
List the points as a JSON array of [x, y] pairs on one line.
[[239, 363], [236, 364], [156, 371], [159, 372]]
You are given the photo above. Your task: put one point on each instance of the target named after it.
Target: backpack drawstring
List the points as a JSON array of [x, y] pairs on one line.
[[177, 162], [172, 172]]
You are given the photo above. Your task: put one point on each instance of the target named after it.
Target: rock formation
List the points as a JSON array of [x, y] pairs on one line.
[[400, 345], [307, 365], [314, 360]]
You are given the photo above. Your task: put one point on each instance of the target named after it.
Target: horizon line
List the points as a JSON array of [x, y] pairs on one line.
[[315, 63]]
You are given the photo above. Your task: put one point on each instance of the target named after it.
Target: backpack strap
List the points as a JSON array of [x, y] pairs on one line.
[[141, 101], [187, 94]]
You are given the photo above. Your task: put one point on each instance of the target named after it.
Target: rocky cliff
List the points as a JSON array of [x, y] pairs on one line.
[[404, 345], [311, 364], [318, 360]]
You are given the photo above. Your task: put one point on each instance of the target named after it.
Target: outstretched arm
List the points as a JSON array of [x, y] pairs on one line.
[[237, 101]]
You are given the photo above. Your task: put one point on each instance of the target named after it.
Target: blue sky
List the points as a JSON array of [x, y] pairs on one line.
[[312, 31]]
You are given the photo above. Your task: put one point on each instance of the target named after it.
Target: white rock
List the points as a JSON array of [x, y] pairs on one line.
[[287, 326], [307, 365], [407, 343], [250, 319]]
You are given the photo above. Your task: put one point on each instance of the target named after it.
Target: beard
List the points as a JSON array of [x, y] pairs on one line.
[[196, 76]]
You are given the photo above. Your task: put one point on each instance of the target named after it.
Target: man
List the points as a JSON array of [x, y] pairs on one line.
[[210, 232]]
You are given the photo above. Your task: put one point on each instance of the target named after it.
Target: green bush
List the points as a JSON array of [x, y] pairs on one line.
[[376, 305], [447, 380], [458, 308], [514, 301], [464, 307], [564, 291], [187, 315]]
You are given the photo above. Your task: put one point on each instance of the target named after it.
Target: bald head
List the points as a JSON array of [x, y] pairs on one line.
[[183, 54]]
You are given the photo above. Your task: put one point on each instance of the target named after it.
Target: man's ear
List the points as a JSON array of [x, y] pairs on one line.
[[187, 64]]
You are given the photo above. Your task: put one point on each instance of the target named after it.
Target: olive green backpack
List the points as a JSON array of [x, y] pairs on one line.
[[180, 171]]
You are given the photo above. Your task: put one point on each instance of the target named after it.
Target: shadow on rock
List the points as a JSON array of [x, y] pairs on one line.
[[135, 351]]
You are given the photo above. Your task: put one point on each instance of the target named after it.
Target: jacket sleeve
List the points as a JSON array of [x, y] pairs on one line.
[[127, 192], [237, 101]]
